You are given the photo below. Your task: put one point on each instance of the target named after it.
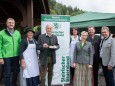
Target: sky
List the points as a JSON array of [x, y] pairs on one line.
[[105, 6]]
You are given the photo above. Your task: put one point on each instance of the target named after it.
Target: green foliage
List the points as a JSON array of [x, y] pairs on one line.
[[60, 9], [37, 28]]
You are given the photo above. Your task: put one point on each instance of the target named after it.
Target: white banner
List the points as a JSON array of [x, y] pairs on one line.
[[61, 28]]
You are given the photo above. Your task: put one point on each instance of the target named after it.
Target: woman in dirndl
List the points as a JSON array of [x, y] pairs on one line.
[[83, 60]]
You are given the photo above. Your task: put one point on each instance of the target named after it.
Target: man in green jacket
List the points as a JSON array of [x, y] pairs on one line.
[[9, 45]]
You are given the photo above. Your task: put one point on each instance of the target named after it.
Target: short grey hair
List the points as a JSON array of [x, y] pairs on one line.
[[49, 25], [105, 28]]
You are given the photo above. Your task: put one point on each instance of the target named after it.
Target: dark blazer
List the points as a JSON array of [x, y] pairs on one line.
[[23, 46], [43, 51], [96, 44], [83, 55]]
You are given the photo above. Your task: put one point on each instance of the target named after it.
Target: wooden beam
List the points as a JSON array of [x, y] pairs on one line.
[[30, 18]]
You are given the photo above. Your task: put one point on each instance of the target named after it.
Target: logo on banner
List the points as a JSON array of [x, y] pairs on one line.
[[57, 29], [56, 26]]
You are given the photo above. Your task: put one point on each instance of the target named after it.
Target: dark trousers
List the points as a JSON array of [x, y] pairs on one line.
[[34, 81], [108, 74], [1, 72], [43, 69], [114, 74], [95, 72], [72, 74], [11, 63]]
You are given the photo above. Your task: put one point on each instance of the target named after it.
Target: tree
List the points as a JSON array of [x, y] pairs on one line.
[[60, 9]]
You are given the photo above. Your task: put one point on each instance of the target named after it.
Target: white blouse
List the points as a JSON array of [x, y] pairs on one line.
[[72, 47]]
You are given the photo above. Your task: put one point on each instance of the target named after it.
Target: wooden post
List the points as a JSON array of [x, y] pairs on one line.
[[30, 18]]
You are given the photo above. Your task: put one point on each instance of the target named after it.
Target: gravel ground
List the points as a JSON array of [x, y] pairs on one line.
[[101, 81]]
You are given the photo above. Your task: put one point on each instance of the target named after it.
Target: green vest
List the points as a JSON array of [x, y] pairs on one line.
[[49, 51], [9, 45]]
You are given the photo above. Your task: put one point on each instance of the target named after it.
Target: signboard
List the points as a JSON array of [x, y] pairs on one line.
[[61, 28]]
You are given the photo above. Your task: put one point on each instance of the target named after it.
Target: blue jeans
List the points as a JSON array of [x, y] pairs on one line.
[[11, 65]]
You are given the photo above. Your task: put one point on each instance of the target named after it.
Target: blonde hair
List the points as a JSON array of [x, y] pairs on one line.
[[84, 32]]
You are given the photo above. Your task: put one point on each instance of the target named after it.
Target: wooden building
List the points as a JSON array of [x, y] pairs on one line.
[[25, 12]]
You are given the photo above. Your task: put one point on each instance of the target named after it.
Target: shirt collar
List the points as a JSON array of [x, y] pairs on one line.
[[11, 32], [92, 36], [47, 35], [83, 45], [107, 37], [74, 38]]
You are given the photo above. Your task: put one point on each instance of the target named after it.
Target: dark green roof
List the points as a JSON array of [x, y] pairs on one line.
[[93, 19]]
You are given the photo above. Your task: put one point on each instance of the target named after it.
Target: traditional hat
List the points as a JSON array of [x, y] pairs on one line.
[[27, 29]]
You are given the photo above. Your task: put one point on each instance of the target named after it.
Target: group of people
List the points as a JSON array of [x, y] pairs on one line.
[[21, 55], [87, 52]]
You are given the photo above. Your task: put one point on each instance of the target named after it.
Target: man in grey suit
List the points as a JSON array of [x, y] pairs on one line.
[[47, 44], [107, 56]]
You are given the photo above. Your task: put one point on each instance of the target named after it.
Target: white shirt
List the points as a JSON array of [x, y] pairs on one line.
[[11, 32], [72, 47]]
